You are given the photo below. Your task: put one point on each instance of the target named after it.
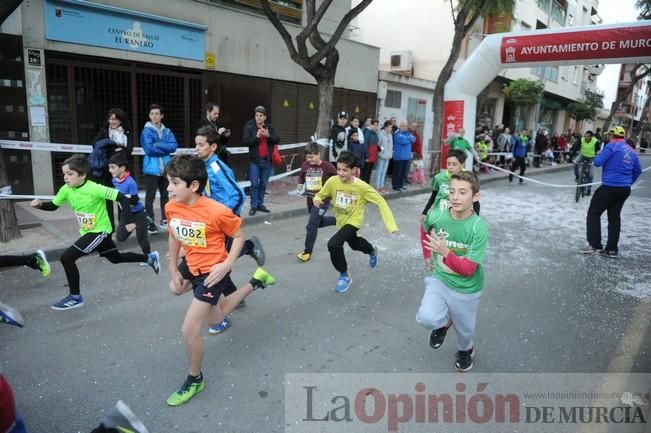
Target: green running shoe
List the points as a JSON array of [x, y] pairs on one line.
[[262, 279], [188, 390], [42, 263]]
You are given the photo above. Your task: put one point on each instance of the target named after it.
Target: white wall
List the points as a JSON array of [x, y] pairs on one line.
[[422, 26], [386, 113], [245, 43]]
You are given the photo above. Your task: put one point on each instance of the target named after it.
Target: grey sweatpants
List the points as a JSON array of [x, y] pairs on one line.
[[441, 304]]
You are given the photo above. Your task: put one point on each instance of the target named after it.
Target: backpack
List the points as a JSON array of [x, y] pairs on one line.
[[98, 159]]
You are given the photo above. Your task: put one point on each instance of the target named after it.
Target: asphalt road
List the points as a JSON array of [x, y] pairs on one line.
[[545, 308]]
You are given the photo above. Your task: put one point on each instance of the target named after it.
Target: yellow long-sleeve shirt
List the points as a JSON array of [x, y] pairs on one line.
[[349, 201]]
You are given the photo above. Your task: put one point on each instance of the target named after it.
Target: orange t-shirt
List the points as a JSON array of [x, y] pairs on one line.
[[201, 229]]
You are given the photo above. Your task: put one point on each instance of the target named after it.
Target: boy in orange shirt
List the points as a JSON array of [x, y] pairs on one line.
[[200, 225]]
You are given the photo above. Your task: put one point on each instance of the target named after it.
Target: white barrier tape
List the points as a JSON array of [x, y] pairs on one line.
[[554, 185], [85, 148], [243, 184]]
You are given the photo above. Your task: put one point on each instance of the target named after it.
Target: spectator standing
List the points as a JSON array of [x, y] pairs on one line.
[[158, 142], [371, 140], [338, 137], [211, 120], [260, 138], [113, 138], [519, 155], [385, 148], [402, 142]]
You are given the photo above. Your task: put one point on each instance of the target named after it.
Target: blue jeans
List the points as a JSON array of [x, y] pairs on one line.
[[259, 173], [381, 172]]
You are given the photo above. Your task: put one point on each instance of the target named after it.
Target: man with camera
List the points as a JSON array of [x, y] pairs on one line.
[[210, 120]]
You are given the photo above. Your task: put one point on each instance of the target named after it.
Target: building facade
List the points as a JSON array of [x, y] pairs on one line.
[[631, 111], [426, 31], [81, 58]]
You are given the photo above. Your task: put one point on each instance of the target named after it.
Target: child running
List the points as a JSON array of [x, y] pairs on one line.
[[350, 195], [86, 198], [458, 237], [123, 182], [223, 188], [313, 175], [200, 225]]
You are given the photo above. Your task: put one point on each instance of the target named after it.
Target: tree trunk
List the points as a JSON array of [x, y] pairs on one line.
[[637, 133], [8, 222], [326, 86]]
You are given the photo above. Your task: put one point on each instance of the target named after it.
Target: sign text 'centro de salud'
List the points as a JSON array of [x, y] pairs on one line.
[[87, 23]]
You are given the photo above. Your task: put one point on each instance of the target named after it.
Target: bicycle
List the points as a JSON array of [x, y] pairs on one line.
[[584, 176]]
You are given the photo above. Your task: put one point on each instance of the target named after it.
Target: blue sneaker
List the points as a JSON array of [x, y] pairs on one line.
[[69, 302], [372, 260], [220, 327], [10, 316], [343, 283], [154, 261]]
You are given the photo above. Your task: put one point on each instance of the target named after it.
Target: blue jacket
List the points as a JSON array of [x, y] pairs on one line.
[[518, 148], [157, 149], [222, 186], [620, 162], [402, 142], [128, 186]]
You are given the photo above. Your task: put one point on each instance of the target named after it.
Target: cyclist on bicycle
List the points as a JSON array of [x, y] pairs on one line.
[[589, 146]]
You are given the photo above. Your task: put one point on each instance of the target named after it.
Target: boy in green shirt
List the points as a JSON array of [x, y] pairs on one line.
[[349, 196], [87, 200], [458, 237]]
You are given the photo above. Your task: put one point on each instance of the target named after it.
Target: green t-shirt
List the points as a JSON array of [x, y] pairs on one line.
[[441, 184], [461, 144], [89, 205], [465, 238]]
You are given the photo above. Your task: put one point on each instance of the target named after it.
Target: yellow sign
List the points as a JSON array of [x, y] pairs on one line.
[[311, 106], [211, 60], [356, 108], [286, 104]]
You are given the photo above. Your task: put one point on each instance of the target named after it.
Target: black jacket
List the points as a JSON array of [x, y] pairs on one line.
[[104, 135], [249, 139]]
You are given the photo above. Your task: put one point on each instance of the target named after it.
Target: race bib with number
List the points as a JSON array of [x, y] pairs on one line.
[[86, 221], [313, 183], [444, 205], [345, 200], [190, 233]]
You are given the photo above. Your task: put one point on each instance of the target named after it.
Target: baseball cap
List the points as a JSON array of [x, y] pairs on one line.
[[342, 114], [260, 109]]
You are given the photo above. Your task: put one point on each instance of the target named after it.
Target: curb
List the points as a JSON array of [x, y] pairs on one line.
[[54, 253]]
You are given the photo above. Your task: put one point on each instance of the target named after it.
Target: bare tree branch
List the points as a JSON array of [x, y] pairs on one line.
[[343, 25], [266, 7], [313, 18]]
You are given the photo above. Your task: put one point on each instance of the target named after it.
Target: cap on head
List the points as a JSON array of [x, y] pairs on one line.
[[260, 109], [342, 115]]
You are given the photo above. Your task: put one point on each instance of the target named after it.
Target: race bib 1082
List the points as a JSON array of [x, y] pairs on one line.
[[190, 233]]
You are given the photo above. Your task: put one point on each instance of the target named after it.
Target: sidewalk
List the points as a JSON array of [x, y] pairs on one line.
[[53, 232]]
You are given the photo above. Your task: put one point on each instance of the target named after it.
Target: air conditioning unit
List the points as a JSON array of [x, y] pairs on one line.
[[401, 61]]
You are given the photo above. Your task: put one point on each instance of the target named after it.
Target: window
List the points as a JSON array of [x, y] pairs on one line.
[[576, 75], [551, 73], [393, 99]]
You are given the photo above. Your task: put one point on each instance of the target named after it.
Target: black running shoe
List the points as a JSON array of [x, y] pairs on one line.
[[257, 252], [464, 359], [437, 337], [608, 253]]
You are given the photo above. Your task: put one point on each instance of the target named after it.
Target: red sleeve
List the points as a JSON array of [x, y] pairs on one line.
[[427, 254], [460, 265], [7, 407]]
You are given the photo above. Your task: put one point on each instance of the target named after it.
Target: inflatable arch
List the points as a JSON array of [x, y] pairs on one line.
[[606, 43]]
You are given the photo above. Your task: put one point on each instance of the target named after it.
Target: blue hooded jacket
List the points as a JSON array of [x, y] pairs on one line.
[[519, 148], [222, 186], [621, 165], [157, 148]]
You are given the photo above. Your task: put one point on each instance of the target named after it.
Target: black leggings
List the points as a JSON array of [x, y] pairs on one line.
[[347, 233], [87, 244], [6, 261], [140, 219], [317, 220]]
